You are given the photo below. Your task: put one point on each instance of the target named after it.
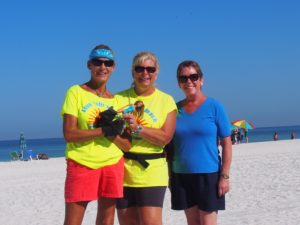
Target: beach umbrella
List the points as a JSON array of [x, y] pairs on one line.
[[243, 124], [22, 144], [232, 127]]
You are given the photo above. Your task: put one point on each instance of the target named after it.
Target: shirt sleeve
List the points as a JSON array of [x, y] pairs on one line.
[[70, 103], [222, 121]]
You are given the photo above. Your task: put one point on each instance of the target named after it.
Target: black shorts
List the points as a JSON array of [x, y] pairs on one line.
[[142, 196], [197, 189]]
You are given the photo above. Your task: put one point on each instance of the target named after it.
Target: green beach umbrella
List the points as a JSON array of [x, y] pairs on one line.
[[22, 144]]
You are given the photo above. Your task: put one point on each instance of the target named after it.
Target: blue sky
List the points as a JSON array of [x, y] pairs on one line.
[[249, 52]]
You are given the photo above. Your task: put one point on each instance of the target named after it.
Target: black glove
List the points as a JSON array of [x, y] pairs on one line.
[[116, 127], [108, 114], [106, 117]]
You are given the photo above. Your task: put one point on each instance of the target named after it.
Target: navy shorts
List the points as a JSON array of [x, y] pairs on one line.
[[142, 196], [196, 189]]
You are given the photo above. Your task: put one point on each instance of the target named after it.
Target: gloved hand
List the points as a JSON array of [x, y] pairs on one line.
[[115, 127], [108, 114], [106, 117]]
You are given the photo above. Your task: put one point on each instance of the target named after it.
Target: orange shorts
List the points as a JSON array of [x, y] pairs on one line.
[[86, 184]]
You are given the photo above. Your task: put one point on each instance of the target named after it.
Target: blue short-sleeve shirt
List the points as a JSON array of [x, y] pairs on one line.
[[195, 138]]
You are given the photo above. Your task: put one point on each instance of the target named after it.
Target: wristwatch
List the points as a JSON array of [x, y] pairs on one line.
[[224, 176], [138, 130]]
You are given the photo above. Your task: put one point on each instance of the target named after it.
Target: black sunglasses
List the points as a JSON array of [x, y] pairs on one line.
[[99, 62], [185, 78], [140, 69]]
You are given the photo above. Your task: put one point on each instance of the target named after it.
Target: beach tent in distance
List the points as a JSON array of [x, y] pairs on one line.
[[243, 124]]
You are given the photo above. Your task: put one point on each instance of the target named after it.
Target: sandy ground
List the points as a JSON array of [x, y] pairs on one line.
[[265, 189]]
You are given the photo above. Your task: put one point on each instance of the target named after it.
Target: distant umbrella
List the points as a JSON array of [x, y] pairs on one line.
[[22, 144], [243, 124], [232, 127]]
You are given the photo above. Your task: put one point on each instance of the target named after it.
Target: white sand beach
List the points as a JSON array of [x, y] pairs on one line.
[[265, 189]]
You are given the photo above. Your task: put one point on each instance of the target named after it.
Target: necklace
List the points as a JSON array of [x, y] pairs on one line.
[[93, 89], [100, 94]]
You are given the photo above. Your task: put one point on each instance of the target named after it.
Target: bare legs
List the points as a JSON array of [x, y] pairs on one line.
[[194, 216], [74, 212], [140, 216], [106, 211]]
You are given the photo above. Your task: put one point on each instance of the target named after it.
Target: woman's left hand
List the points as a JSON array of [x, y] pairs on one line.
[[223, 186]]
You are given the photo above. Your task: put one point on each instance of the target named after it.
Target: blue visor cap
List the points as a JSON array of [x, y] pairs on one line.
[[101, 53]]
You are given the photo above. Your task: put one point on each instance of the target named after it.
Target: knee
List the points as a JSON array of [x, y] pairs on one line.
[[193, 221], [105, 221]]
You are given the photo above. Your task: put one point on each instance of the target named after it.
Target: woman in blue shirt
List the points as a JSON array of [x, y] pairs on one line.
[[199, 176]]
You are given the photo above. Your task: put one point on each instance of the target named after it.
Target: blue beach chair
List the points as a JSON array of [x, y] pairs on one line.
[[31, 154]]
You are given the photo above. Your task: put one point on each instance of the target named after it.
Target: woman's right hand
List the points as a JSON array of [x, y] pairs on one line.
[[131, 121]]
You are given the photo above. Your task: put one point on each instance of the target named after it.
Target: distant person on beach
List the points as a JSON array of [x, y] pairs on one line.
[[293, 135], [239, 136], [199, 177], [152, 126], [95, 166], [275, 136], [245, 131], [235, 136]]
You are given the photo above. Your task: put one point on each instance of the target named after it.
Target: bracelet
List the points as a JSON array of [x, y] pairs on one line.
[[224, 176], [138, 130]]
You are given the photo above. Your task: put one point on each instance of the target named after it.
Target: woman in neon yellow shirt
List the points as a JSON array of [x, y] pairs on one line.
[[152, 124], [95, 165]]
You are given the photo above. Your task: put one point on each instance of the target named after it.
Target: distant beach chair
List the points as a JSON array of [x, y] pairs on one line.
[[14, 155], [31, 154]]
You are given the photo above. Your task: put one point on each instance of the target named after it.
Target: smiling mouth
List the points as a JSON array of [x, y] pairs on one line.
[[100, 73], [144, 79], [189, 87]]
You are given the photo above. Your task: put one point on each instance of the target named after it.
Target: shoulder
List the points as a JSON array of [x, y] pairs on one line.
[[160, 92], [122, 98], [73, 90], [214, 102], [123, 93], [180, 104], [163, 94]]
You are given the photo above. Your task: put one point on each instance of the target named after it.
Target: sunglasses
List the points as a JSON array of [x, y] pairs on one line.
[[140, 69], [184, 78], [99, 62]]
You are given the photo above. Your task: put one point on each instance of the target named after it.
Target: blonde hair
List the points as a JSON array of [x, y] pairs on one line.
[[142, 57]]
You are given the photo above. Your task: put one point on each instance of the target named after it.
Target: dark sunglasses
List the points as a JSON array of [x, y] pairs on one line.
[[185, 78], [140, 69], [99, 62]]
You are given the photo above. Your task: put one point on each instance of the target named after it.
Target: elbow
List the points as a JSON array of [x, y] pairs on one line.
[[67, 137], [126, 147], [166, 140]]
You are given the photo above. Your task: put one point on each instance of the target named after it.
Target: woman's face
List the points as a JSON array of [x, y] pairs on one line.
[[145, 74], [189, 81], [101, 69]]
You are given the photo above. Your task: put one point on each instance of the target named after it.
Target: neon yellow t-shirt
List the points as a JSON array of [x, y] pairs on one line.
[[86, 106], [154, 114]]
